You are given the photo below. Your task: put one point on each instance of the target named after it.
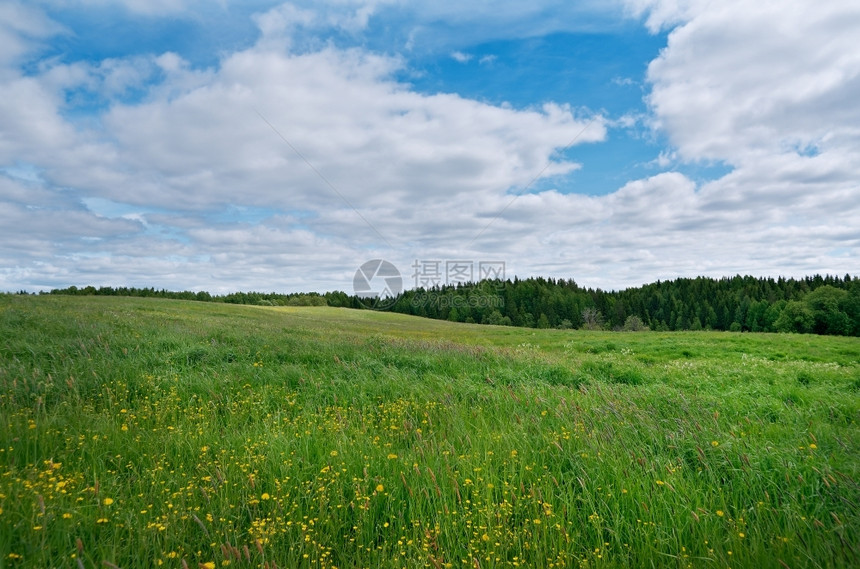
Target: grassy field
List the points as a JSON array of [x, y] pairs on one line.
[[142, 433]]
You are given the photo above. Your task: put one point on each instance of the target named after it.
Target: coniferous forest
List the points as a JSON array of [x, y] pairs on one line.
[[816, 304], [821, 305]]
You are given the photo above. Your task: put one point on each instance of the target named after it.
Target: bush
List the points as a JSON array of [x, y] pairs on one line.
[[634, 324], [592, 319]]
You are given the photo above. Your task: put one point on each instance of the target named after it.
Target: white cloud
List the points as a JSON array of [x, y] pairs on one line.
[[461, 57], [30, 124], [380, 142], [738, 80], [772, 90], [22, 29], [137, 193], [196, 145], [665, 14]]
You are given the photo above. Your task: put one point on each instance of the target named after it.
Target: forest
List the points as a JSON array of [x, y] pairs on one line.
[[815, 304], [821, 305]]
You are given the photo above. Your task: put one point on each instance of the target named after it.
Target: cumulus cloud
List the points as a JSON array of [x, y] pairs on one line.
[[770, 90], [319, 150], [213, 145], [738, 80], [200, 142]]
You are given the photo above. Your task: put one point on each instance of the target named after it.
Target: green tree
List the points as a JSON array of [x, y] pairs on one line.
[[495, 317], [795, 317], [543, 321], [826, 305]]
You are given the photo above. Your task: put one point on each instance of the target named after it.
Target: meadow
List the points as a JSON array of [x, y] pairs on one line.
[[147, 433]]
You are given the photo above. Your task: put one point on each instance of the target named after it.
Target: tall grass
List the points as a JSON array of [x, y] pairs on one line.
[[140, 433]]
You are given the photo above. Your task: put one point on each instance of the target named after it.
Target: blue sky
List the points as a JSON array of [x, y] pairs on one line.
[[213, 145]]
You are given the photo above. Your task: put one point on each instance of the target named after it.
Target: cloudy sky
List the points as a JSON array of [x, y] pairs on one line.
[[276, 146]]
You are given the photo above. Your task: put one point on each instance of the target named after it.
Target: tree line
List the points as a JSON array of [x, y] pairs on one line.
[[816, 304], [256, 298]]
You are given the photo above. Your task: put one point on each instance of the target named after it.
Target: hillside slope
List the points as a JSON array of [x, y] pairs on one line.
[[141, 432]]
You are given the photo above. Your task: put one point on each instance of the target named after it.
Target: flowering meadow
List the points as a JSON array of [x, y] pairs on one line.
[[162, 433]]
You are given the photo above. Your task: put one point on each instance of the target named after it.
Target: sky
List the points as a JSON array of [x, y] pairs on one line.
[[279, 146]]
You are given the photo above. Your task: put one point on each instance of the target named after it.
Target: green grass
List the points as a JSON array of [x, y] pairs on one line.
[[139, 433]]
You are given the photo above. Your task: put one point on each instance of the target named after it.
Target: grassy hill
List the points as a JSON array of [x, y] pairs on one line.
[[144, 432]]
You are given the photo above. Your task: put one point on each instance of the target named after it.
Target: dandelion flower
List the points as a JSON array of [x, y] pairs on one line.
[[720, 513], [107, 501], [380, 488], [715, 444], [265, 496], [392, 456]]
